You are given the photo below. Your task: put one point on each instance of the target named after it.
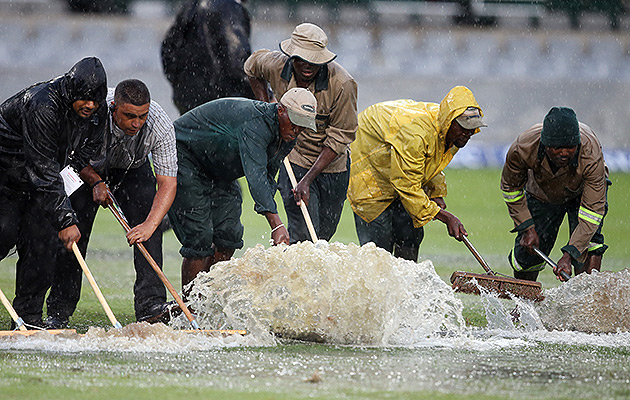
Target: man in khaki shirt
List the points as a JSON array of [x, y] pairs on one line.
[[320, 159], [552, 169]]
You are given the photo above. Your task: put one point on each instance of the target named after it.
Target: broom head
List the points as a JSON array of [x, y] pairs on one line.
[[504, 287], [208, 332], [217, 332], [38, 332]]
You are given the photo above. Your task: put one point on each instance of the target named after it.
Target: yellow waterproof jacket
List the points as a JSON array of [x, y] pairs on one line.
[[400, 152]]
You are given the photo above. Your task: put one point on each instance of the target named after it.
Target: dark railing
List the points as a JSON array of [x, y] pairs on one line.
[[474, 12], [471, 12]]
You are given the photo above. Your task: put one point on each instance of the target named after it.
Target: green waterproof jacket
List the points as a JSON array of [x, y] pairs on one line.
[[400, 152], [228, 138]]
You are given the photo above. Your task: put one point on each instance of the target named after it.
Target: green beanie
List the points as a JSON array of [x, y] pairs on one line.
[[560, 128]]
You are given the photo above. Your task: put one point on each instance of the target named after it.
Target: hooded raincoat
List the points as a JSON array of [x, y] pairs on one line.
[[400, 152], [40, 133]]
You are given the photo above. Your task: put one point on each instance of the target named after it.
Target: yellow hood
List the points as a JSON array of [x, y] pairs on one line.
[[452, 105]]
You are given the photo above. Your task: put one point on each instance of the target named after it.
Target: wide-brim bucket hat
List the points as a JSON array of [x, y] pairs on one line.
[[308, 41]]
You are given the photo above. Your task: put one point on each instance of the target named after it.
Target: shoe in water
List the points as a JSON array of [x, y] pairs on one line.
[[56, 322], [157, 313], [174, 308]]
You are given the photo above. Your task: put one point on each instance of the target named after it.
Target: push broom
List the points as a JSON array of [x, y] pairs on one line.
[[97, 291], [120, 217], [549, 261], [20, 323], [504, 286], [20, 326]]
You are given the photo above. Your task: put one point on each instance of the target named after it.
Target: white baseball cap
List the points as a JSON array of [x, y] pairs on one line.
[[470, 119], [301, 106]]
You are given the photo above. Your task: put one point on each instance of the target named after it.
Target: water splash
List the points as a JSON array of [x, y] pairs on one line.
[[523, 316], [360, 296], [330, 292], [595, 303]]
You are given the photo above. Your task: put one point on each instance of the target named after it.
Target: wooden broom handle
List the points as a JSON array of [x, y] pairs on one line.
[[18, 321], [307, 216], [97, 291], [122, 220], [477, 256]]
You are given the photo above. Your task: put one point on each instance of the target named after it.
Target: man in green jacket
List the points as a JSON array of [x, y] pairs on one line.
[[217, 143]]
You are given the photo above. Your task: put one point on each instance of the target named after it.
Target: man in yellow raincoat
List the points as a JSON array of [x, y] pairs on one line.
[[396, 179]]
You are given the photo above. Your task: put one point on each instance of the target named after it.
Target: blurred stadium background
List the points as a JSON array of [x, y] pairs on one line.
[[518, 57]]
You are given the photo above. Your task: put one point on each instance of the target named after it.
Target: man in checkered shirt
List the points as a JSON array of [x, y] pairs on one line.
[[138, 127]]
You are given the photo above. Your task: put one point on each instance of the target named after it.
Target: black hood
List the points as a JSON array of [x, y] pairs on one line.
[[86, 80], [40, 134]]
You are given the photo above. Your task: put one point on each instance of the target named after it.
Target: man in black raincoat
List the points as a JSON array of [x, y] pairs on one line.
[[44, 128], [204, 51]]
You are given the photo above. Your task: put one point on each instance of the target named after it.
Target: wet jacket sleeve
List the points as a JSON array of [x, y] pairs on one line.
[[342, 127], [436, 187], [407, 177], [41, 148], [513, 180], [262, 186], [592, 206]]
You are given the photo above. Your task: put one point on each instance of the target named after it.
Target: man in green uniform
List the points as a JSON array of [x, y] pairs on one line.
[[552, 169], [396, 180], [217, 143]]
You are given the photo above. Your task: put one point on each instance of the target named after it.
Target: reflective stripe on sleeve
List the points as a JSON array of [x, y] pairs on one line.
[[594, 246], [517, 267], [511, 197], [590, 216]]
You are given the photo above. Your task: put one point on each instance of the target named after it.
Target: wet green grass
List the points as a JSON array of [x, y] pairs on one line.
[[473, 196], [286, 372]]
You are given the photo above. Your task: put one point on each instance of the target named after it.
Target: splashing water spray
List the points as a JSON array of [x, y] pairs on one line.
[[343, 294]]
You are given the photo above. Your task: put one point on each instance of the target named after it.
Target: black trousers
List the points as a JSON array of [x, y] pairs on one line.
[[327, 194], [24, 225], [134, 189], [548, 218], [393, 231]]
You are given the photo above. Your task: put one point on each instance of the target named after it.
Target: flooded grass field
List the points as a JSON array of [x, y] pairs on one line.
[[393, 329], [480, 364]]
